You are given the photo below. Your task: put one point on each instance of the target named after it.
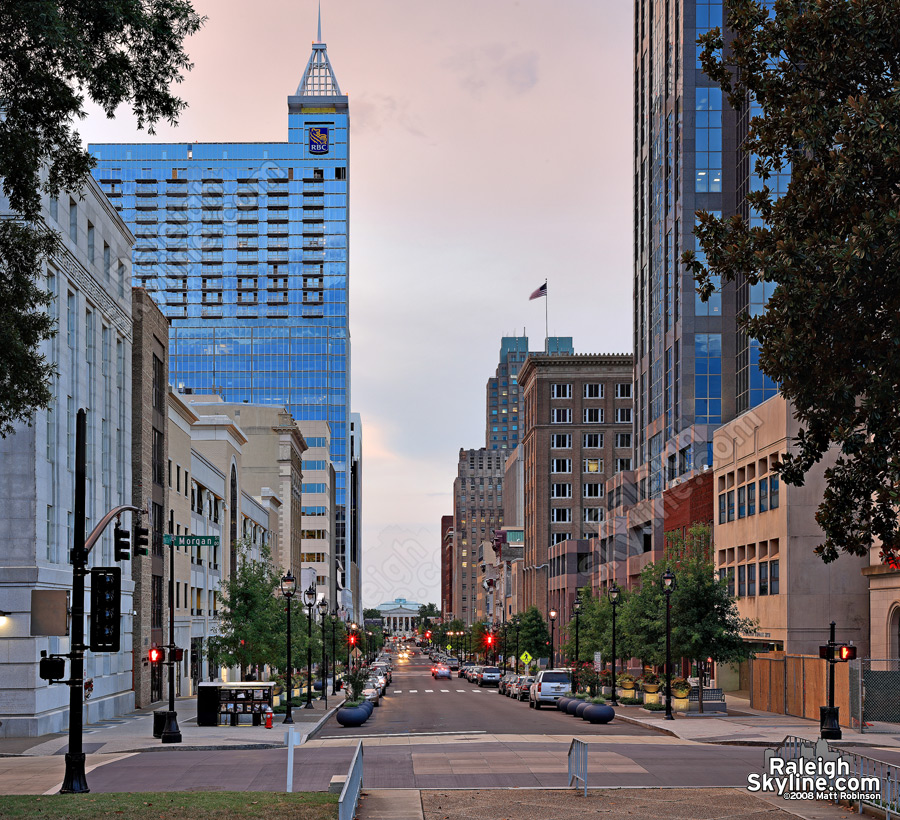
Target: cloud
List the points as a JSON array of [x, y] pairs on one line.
[[493, 68], [374, 112]]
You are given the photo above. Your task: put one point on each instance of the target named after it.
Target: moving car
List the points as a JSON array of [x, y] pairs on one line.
[[442, 671]]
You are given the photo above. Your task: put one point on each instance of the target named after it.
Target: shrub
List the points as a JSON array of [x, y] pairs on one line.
[[655, 707], [680, 684], [598, 701], [625, 677], [630, 701]]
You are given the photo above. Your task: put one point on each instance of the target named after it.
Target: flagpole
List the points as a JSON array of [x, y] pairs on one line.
[[547, 318]]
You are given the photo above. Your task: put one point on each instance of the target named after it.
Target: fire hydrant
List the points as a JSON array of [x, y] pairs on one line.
[[268, 717]]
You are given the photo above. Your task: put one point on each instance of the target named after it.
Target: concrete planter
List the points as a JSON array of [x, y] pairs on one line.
[[580, 708], [352, 716], [652, 697], [650, 688], [572, 705], [680, 704], [562, 703]]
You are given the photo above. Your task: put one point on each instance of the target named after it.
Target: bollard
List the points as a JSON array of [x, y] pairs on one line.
[[268, 717]]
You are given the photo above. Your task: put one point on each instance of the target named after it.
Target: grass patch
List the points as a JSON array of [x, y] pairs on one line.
[[173, 806]]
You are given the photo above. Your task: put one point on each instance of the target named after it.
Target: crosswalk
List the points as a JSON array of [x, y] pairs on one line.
[[432, 691]]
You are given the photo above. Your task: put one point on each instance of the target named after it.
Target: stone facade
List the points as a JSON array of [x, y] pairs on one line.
[[447, 566], [88, 279]]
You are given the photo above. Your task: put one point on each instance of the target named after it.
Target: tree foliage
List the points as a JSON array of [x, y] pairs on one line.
[[641, 623], [53, 56], [534, 635], [823, 78], [595, 628]]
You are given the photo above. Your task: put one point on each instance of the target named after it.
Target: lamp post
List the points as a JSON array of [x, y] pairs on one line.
[[350, 643], [668, 582], [553, 614], [576, 608], [517, 623], [334, 620], [309, 598], [613, 595], [288, 588], [322, 606]]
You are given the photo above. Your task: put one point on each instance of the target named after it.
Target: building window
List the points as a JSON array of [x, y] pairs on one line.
[[708, 136], [623, 415], [593, 391], [773, 577], [560, 391], [623, 440], [742, 502], [560, 515], [561, 415], [159, 381], [592, 490], [623, 390], [751, 579], [340, 173], [560, 491], [722, 508], [751, 499], [90, 233], [742, 581], [158, 458], [773, 492], [763, 578], [54, 208], [763, 495], [708, 378], [729, 574], [623, 464], [73, 221], [107, 260], [561, 441], [156, 602], [559, 537], [592, 441], [592, 515], [592, 415], [731, 505], [592, 465], [561, 465]]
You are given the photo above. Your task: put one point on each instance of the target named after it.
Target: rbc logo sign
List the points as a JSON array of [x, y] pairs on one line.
[[318, 140]]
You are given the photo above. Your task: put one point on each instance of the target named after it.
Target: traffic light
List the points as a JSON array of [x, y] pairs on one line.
[[122, 541], [156, 654], [826, 652], [353, 640], [106, 608], [847, 652], [141, 540], [490, 640], [428, 634], [52, 669]]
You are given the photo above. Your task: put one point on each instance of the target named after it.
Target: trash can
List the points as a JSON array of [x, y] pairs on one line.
[[159, 721]]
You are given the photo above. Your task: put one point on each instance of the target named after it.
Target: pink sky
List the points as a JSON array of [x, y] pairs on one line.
[[491, 148]]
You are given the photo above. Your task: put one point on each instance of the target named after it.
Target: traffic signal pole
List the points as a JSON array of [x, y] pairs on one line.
[[75, 779], [171, 733]]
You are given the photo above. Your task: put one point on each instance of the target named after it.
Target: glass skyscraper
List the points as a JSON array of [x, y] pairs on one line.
[[693, 369], [245, 248]]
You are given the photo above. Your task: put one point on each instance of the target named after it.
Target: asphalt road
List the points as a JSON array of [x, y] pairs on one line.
[[416, 703]]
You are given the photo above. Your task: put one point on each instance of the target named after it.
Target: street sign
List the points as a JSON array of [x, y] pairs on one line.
[[449, 647], [355, 653], [525, 657], [598, 661], [191, 540]]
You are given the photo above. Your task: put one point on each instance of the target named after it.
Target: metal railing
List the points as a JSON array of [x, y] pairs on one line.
[[349, 798], [888, 774], [578, 763]]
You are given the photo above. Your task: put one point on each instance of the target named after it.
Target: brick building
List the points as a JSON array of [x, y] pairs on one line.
[[578, 428], [447, 566]]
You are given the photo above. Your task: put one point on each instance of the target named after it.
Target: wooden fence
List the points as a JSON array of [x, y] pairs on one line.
[[796, 685]]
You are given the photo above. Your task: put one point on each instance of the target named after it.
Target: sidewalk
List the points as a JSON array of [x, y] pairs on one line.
[[133, 732], [747, 727]]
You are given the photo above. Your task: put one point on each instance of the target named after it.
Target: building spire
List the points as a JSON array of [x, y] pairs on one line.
[[318, 77]]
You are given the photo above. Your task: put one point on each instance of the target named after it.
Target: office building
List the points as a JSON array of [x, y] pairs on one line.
[[351, 557], [245, 247], [578, 428], [693, 369], [89, 281], [447, 567]]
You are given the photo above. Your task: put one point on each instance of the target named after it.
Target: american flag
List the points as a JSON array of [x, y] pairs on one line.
[[541, 291]]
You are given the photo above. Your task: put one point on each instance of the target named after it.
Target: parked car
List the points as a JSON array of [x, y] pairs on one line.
[[522, 687], [473, 673], [463, 669], [380, 681], [453, 663], [548, 687], [384, 668], [505, 682], [372, 692], [489, 676]]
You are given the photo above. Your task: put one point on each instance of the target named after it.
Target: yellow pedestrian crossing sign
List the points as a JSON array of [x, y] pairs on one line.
[[449, 647], [525, 657]]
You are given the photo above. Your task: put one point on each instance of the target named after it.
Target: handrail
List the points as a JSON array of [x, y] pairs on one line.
[[578, 763], [353, 785], [888, 774]]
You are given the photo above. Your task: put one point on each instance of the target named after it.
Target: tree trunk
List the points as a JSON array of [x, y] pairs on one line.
[[700, 691]]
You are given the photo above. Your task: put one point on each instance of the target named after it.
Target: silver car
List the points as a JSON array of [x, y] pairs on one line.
[[548, 687], [489, 676]]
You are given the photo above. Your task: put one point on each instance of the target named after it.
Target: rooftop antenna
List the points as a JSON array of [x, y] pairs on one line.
[[319, 40]]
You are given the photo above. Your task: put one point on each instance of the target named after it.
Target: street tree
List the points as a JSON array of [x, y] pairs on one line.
[[250, 617], [427, 614], [371, 614], [534, 635], [706, 624], [821, 79], [641, 629], [54, 56]]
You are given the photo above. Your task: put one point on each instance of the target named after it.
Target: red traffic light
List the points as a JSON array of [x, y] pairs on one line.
[[847, 653], [428, 634], [490, 639], [352, 640], [156, 655]]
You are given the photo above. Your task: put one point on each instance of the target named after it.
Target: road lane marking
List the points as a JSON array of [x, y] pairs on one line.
[[398, 691], [413, 691], [445, 690], [429, 690], [460, 690]]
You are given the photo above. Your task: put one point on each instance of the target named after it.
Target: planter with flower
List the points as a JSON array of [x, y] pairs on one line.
[[680, 691], [605, 682], [650, 685], [627, 686]]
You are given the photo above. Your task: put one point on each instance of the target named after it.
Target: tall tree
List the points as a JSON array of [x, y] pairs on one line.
[[534, 636], [823, 80], [642, 626], [705, 618], [53, 56]]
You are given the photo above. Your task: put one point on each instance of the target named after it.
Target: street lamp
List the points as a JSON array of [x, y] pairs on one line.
[[288, 588], [553, 614], [334, 620], [322, 606], [351, 642], [576, 608], [369, 645], [668, 583], [517, 623], [613, 595], [309, 598]]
